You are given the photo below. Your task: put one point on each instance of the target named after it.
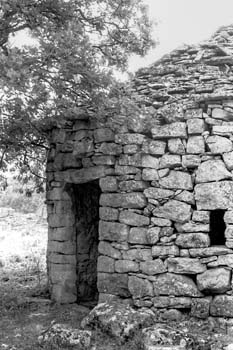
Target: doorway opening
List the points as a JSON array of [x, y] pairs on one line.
[[217, 227], [86, 206]]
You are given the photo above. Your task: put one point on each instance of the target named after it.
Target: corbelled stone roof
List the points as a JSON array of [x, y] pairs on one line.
[[186, 78]]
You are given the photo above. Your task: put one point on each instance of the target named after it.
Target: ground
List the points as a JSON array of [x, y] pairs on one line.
[[25, 307]]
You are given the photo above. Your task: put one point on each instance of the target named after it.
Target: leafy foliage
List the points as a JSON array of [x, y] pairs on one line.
[[78, 44]]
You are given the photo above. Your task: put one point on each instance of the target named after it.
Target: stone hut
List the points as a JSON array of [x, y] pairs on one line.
[[141, 209]]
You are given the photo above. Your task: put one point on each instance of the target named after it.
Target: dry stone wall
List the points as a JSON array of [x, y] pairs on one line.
[[166, 202]]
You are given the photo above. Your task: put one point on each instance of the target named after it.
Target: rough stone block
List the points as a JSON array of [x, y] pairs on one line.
[[132, 186], [83, 147], [150, 174], [228, 217], [187, 266], [193, 113], [108, 184], [201, 216], [185, 196], [173, 130], [163, 302], [124, 266], [176, 146], [149, 161], [214, 280], [113, 283], [210, 251], [140, 288], [61, 234], [223, 130], [125, 170], [191, 161], [138, 235], [83, 175], [177, 180], [154, 147], [193, 240], [158, 193], [106, 248], [63, 274], [153, 234], [165, 251], [192, 227], [229, 232], [108, 214], [195, 126], [153, 267], [219, 113], [174, 210], [176, 285], [64, 293], [161, 222], [212, 170], [126, 139], [113, 231], [200, 307], [103, 160], [196, 145], [214, 195], [222, 306], [57, 258], [131, 160], [218, 144], [222, 260], [124, 200], [105, 264], [103, 134], [170, 161], [137, 254], [130, 218], [110, 148], [131, 149], [228, 160], [66, 247]]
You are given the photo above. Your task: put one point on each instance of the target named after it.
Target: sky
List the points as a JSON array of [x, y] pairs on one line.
[[183, 21]]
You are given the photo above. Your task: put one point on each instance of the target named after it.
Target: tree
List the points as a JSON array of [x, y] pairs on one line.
[[69, 70]]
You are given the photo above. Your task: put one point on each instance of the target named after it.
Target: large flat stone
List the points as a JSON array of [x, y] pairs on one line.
[[214, 280], [176, 285], [222, 260], [173, 130], [130, 218], [82, 175], [210, 251], [212, 170], [154, 147], [172, 302], [123, 200], [215, 195], [193, 240], [192, 227], [158, 193], [174, 210], [222, 306], [177, 180], [218, 144], [187, 266]]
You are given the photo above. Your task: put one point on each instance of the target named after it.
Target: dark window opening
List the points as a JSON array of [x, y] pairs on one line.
[[86, 207], [217, 227]]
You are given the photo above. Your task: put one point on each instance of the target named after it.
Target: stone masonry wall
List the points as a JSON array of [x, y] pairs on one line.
[[161, 174]]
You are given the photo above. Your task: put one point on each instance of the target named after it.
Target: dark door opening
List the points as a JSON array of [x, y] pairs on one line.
[[217, 227], [86, 200]]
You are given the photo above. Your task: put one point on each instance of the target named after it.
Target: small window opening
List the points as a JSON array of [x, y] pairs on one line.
[[217, 227]]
